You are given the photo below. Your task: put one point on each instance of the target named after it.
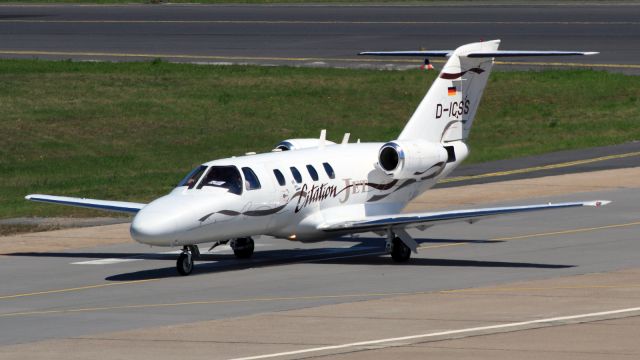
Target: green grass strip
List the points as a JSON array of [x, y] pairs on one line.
[[130, 131]]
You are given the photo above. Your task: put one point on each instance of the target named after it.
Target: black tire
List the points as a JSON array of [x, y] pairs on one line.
[[184, 265], [244, 248], [400, 252]]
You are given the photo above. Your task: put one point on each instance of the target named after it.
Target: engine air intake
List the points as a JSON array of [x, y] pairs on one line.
[[389, 157], [403, 159]]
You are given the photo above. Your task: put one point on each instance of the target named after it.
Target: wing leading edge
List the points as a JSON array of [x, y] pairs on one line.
[[107, 205], [439, 217]]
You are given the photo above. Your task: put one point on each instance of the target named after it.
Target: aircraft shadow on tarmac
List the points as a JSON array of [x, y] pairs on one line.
[[366, 251], [203, 267]]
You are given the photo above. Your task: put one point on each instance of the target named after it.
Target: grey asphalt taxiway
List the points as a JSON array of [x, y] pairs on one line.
[[83, 292], [319, 35]]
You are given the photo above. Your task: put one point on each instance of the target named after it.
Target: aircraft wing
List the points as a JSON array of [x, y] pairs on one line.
[[439, 217], [119, 206]]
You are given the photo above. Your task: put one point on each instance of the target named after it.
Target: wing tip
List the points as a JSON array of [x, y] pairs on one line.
[[597, 203]]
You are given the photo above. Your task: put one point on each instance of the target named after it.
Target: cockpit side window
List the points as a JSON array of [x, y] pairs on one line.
[[312, 172], [192, 178], [251, 181], [279, 177], [329, 170], [296, 174], [227, 177]]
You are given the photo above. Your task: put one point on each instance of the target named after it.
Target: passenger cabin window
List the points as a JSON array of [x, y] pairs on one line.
[[192, 178], [279, 177], [329, 170], [251, 181], [296, 174], [226, 177], [312, 172]]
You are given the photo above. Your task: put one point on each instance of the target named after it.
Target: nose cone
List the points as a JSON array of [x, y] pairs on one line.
[[157, 223], [176, 219], [151, 227]]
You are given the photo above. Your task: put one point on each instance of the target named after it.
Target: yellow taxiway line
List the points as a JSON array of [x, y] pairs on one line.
[[312, 298], [76, 289], [564, 232], [528, 236], [540, 168]]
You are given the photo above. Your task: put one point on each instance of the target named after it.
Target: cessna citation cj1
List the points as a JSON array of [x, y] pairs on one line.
[[314, 189]]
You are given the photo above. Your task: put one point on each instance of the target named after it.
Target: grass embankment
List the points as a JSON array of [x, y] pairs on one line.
[[130, 131]]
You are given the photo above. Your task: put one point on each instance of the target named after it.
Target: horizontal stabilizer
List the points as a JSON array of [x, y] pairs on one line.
[[107, 205], [481, 54], [434, 53], [519, 53], [433, 218]]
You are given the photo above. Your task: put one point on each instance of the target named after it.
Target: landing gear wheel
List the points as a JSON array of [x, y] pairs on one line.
[[243, 247], [184, 265], [400, 252]]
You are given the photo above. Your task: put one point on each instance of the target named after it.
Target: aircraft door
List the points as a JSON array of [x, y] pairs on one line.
[[263, 202]]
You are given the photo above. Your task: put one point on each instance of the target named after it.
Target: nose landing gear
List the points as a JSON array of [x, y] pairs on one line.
[[184, 265]]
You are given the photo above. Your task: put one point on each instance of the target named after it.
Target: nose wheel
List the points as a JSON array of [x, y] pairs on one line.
[[184, 265]]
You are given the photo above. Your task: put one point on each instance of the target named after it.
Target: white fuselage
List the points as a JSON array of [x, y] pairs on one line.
[[295, 210]]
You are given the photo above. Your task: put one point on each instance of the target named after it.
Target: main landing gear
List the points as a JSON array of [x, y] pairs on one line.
[[398, 250], [400, 245], [242, 248]]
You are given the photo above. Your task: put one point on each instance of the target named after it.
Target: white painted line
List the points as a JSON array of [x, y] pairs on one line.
[[104, 261], [110, 261], [227, 248], [442, 333]]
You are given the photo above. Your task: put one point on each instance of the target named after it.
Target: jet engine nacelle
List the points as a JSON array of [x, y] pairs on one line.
[[297, 144], [403, 159]]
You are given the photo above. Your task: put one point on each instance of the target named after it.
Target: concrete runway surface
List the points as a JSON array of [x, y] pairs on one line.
[[327, 35], [561, 278]]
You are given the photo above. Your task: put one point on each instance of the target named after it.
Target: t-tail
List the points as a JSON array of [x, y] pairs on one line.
[[447, 111]]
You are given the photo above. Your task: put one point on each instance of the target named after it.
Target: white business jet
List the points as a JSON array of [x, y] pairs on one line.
[[314, 189]]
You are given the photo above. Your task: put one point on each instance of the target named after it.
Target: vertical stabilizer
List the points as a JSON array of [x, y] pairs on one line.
[[447, 111]]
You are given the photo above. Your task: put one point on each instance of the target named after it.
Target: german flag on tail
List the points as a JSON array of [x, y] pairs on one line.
[[451, 91]]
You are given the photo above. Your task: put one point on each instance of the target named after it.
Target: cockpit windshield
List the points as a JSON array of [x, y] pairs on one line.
[[192, 178], [227, 177]]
